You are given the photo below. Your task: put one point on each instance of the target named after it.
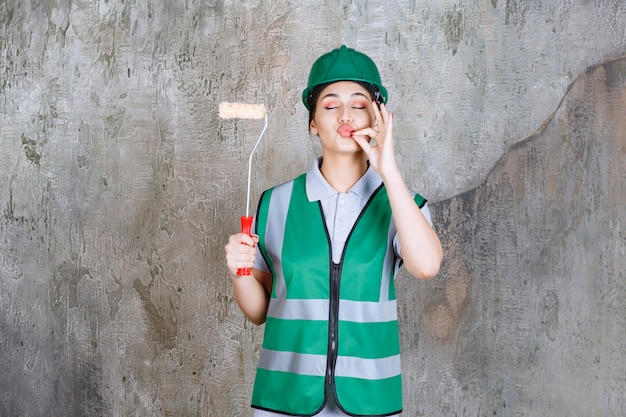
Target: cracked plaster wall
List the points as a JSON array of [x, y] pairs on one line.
[[119, 186]]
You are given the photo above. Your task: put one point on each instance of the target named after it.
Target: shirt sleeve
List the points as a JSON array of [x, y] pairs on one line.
[[396, 240]]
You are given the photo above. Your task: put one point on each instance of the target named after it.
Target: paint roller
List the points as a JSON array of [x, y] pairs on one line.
[[245, 111]]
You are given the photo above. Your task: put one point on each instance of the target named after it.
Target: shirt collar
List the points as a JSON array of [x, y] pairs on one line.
[[317, 188]]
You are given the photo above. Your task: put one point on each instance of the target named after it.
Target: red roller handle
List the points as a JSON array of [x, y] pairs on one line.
[[246, 226]]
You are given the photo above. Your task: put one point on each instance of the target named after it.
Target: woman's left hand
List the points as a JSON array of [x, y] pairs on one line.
[[381, 152]]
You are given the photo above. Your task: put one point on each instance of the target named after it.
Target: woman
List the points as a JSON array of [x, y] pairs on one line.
[[328, 246]]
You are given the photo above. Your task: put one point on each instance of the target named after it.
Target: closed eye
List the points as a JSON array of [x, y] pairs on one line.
[[358, 101], [330, 105]]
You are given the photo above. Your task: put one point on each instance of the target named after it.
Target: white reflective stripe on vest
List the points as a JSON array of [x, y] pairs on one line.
[[298, 309], [275, 231], [349, 366], [297, 363], [353, 311], [387, 265], [315, 365], [368, 312]]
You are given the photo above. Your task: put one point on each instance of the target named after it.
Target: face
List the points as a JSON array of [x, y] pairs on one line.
[[340, 109]]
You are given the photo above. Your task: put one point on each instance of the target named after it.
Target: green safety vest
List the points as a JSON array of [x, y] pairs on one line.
[[328, 325]]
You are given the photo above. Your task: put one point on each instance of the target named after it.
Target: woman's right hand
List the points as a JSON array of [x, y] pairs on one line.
[[240, 252]]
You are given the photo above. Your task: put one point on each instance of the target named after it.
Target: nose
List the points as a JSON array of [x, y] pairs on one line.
[[345, 116]]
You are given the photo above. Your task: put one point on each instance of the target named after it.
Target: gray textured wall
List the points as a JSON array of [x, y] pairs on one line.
[[119, 186]]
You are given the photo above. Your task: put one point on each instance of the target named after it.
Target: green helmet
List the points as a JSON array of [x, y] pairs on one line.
[[344, 64]]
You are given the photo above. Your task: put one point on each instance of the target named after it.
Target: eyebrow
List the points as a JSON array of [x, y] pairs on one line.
[[337, 95]]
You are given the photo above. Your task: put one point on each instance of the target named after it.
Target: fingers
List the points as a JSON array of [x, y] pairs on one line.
[[379, 131], [363, 143], [368, 132], [379, 126], [380, 113], [240, 252], [390, 125]]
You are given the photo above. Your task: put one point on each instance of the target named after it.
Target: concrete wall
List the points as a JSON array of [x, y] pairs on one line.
[[119, 186], [528, 317]]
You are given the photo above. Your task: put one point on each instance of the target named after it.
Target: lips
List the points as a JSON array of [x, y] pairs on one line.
[[345, 131]]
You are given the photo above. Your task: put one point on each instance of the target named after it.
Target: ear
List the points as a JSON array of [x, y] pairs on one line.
[[313, 128]]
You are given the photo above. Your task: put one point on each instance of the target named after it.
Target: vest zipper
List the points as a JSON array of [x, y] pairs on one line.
[[335, 281], [333, 323]]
